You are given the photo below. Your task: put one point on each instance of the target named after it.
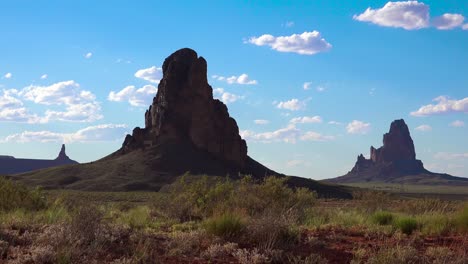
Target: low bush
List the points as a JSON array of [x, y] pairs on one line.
[[382, 218], [434, 224], [17, 196], [395, 255], [227, 226], [407, 225], [461, 219]]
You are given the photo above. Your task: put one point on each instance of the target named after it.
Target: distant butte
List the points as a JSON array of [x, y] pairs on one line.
[[12, 165], [395, 162]]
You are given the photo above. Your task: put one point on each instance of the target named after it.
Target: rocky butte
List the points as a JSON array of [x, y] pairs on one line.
[[185, 130], [11, 165], [395, 162]]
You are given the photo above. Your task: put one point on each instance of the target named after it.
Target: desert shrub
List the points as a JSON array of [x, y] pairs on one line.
[[218, 251], [461, 219], [137, 217], [245, 256], [14, 196], [394, 255], [434, 224], [311, 259], [186, 243], [426, 206], [270, 231], [407, 225], [86, 225], [371, 201], [382, 218], [203, 197], [226, 226], [348, 218]]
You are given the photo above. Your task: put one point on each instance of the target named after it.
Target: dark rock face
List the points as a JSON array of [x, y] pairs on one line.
[[11, 165], [396, 158], [184, 111]]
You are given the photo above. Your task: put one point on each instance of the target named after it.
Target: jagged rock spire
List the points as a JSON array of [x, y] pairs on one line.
[[62, 155]]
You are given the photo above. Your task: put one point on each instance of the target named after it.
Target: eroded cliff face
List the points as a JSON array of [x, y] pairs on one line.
[[396, 156], [184, 111]]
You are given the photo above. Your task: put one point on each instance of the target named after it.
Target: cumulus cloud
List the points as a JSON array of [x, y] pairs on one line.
[[306, 119], [241, 79], [80, 105], [289, 134], [44, 76], [8, 75], [292, 105], [358, 127], [307, 85], [226, 97], [444, 105], [409, 15], [88, 55], [261, 122], [448, 21], [99, 133], [152, 74], [334, 123], [140, 97], [457, 123], [423, 128], [307, 43]]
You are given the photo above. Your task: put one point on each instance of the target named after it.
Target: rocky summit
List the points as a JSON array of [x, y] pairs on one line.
[[12, 165], [184, 112], [395, 162]]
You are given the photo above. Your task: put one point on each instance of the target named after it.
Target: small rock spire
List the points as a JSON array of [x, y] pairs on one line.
[[62, 154]]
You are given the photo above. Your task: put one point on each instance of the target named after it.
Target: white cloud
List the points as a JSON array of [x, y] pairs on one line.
[[99, 133], [423, 128], [306, 119], [44, 76], [261, 122], [409, 15], [307, 85], [81, 105], [450, 156], [151, 74], [334, 123], [320, 89], [358, 127], [465, 27], [448, 21], [241, 79], [457, 123], [141, 97], [307, 43], [292, 105], [226, 97], [8, 75], [314, 136], [8, 99], [288, 24], [88, 55], [289, 134], [444, 105]]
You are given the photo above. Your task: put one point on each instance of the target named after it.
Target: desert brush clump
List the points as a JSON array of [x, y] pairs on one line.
[[383, 218], [407, 225], [227, 226], [461, 219], [17, 196]]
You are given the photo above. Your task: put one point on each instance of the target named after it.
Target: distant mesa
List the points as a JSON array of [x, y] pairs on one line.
[[395, 162], [12, 165], [186, 130]]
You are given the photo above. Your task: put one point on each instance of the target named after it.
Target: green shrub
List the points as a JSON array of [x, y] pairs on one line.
[[16, 196], [137, 217], [461, 219], [382, 218], [226, 226], [434, 224], [406, 225]]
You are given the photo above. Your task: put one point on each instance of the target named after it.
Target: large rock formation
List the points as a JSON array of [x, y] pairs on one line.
[[393, 162], [185, 112], [11, 165]]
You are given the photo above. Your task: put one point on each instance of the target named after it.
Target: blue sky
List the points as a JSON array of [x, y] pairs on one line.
[[312, 84]]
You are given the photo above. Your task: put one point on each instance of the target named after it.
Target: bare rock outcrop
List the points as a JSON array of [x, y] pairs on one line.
[[184, 111]]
